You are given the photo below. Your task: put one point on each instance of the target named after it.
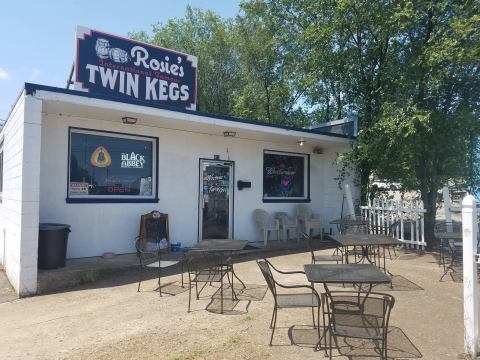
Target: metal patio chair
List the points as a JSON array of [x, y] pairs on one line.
[[205, 268], [356, 229], [386, 229], [358, 315], [322, 244], [283, 300], [445, 227], [449, 247], [152, 241]]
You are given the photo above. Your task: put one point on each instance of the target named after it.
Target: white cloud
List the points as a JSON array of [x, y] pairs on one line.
[[3, 74], [35, 73]]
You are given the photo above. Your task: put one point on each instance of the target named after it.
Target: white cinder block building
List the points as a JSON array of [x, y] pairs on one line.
[[128, 141], [48, 144]]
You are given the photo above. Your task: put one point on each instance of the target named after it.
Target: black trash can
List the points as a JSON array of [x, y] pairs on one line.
[[52, 245]]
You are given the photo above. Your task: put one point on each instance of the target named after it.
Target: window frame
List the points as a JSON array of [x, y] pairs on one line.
[[306, 179], [114, 198]]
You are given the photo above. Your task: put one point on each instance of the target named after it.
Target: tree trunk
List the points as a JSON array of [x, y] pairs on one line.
[[429, 198], [364, 184]]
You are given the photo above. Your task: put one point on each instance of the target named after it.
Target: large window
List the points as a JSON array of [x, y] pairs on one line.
[[286, 177], [111, 167]]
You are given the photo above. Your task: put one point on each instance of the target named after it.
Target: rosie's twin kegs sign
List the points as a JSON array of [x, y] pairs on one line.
[[128, 69]]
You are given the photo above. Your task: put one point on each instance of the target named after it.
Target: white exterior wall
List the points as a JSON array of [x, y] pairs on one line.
[[19, 210], [102, 227]]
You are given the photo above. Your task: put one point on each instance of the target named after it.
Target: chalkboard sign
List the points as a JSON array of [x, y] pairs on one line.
[[285, 177], [154, 228]]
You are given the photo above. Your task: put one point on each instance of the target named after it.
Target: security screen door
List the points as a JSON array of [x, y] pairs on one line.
[[216, 200]]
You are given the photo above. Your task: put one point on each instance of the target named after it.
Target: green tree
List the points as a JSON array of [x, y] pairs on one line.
[[210, 38], [410, 70], [430, 130], [272, 88], [345, 49]]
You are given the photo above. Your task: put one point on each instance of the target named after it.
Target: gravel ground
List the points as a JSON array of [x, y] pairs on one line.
[[110, 321]]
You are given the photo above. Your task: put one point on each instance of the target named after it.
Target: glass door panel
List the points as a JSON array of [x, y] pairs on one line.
[[216, 190]]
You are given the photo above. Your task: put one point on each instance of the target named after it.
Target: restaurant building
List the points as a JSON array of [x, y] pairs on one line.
[[128, 141]]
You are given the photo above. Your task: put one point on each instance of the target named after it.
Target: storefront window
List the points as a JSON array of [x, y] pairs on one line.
[[111, 167], [286, 177]]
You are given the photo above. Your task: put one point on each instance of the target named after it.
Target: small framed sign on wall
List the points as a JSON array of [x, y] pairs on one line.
[[286, 177]]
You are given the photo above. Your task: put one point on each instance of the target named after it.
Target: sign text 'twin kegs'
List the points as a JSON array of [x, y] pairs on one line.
[[127, 69]]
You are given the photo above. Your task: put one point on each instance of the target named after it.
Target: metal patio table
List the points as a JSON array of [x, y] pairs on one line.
[[345, 223], [345, 273], [224, 248], [365, 241]]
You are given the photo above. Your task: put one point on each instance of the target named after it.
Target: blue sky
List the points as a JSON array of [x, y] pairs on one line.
[[38, 37]]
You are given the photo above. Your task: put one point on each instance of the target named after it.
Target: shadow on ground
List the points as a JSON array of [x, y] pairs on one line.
[[399, 283], [129, 275], [242, 299], [399, 345]]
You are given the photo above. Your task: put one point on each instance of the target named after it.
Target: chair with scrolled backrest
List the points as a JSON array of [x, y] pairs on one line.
[[284, 300], [152, 241], [389, 227], [359, 315], [322, 244], [207, 267], [449, 246]]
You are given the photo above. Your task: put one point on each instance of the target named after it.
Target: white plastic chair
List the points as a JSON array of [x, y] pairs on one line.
[[266, 223], [309, 221], [287, 225]]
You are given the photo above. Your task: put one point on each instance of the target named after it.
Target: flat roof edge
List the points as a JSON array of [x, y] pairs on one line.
[[31, 88]]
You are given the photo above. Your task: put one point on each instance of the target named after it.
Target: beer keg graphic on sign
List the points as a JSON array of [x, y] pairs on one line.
[[102, 46], [118, 55]]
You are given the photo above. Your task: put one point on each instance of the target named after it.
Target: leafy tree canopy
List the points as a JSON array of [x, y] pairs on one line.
[[409, 69]]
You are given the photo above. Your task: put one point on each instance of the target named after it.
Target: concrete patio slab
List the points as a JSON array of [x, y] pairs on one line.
[[87, 270], [109, 319]]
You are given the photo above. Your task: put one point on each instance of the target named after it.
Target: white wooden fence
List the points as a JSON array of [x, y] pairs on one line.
[[407, 221]]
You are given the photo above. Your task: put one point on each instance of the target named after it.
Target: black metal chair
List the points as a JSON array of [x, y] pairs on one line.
[[359, 315], [389, 230], [206, 268], [451, 247], [289, 300], [152, 241], [322, 244], [353, 228]]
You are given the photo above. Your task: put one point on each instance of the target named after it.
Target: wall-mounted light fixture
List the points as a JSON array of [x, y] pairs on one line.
[[229, 133], [301, 142], [129, 120], [317, 150]]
